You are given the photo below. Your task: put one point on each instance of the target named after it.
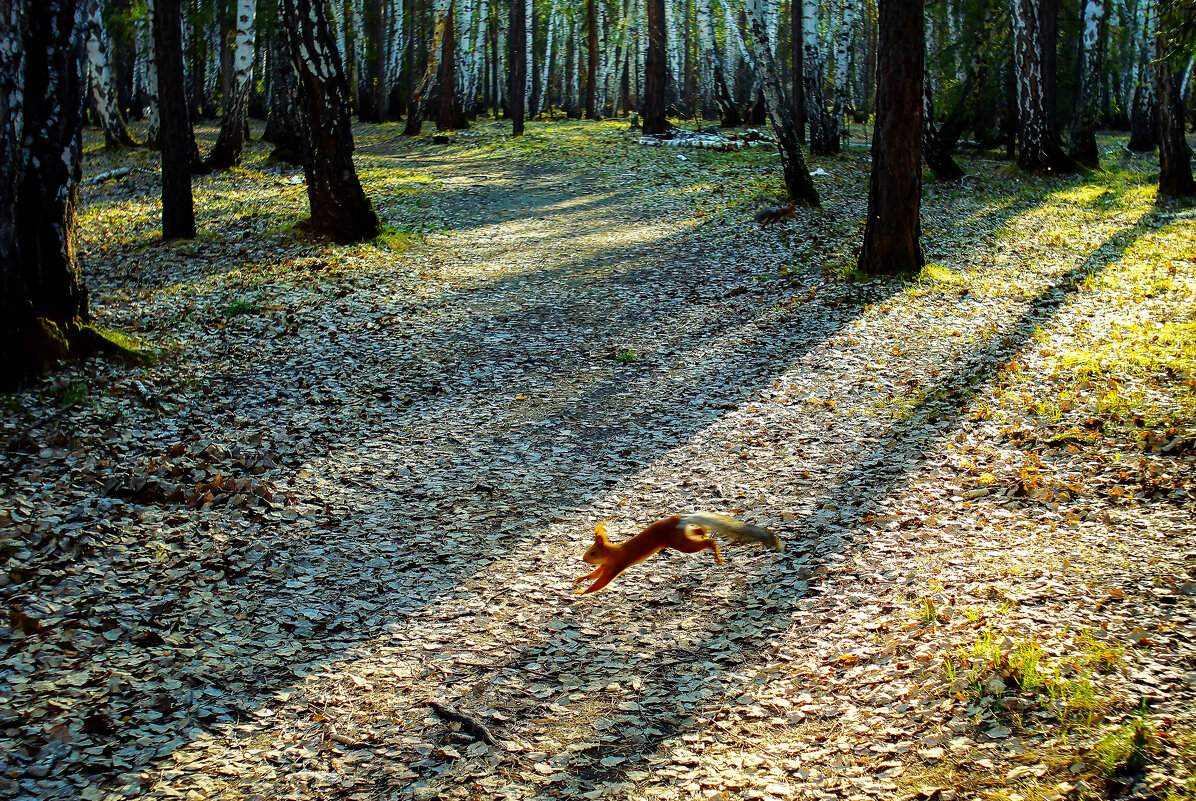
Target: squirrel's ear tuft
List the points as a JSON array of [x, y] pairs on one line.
[[600, 531]]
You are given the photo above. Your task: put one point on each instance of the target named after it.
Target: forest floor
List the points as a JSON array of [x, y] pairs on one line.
[[359, 479]]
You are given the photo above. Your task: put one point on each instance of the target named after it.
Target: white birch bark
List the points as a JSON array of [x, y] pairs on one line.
[[500, 85], [546, 69], [528, 52], [575, 73], [139, 59], [153, 121], [600, 78], [99, 75], [843, 60], [1184, 82], [640, 58], [673, 41], [354, 73], [478, 61], [243, 53], [394, 43]]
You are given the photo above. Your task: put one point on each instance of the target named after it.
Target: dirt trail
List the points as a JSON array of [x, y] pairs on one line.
[[447, 424]]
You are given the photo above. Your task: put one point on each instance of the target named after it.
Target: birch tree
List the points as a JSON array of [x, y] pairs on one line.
[[1175, 166], [1085, 115], [227, 150], [799, 185], [1038, 146], [339, 208], [153, 117], [1143, 132], [415, 110], [713, 66], [99, 76], [44, 302], [824, 137], [843, 65]]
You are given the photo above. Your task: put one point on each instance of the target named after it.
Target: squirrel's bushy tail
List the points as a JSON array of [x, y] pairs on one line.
[[733, 529]]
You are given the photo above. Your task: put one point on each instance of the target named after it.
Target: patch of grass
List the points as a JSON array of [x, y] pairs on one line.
[[626, 355], [240, 306], [74, 391]]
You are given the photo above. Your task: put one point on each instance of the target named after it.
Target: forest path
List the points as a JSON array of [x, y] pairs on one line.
[[363, 478]]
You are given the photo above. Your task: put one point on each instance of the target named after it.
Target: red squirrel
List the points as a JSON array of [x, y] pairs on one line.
[[682, 533], [768, 217]]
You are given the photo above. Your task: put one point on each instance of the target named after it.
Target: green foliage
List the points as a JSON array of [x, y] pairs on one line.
[[240, 306]]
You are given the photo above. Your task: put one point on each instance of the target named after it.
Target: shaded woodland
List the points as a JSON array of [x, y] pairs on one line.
[[334, 331]]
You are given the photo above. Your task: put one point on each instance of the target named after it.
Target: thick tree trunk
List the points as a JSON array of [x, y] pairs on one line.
[[449, 115], [1038, 145], [44, 300], [798, 183], [227, 150], [1085, 115], [178, 142], [892, 230], [655, 72], [103, 93], [339, 208], [415, 109], [592, 60], [1175, 166]]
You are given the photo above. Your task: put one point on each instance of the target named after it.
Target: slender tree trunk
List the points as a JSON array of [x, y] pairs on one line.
[[178, 143], [592, 60], [824, 136], [282, 123], [1088, 67], [728, 113], [892, 231], [1175, 167], [103, 93], [655, 72], [798, 183], [15, 309], [415, 109], [843, 64], [936, 155], [227, 150], [339, 208], [1143, 108], [153, 128], [796, 39], [517, 66]]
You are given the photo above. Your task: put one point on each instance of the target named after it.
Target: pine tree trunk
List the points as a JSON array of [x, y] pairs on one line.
[[1088, 66], [227, 150], [655, 71], [449, 116], [517, 66], [46, 315], [1175, 166], [798, 183], [112, 121], [892, 230], [339, 208], [178, 211]]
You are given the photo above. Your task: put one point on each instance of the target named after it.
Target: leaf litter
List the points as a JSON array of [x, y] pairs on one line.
[[358, 480]]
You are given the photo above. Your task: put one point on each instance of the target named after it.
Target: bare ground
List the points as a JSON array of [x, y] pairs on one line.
[[360, 479]]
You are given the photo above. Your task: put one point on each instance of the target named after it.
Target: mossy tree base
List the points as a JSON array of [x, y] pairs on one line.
[[45, 343]]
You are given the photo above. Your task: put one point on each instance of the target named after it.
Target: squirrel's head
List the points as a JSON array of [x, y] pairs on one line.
[[594, 553]]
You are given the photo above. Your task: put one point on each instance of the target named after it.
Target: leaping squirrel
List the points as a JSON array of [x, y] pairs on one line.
[[685, 533]]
